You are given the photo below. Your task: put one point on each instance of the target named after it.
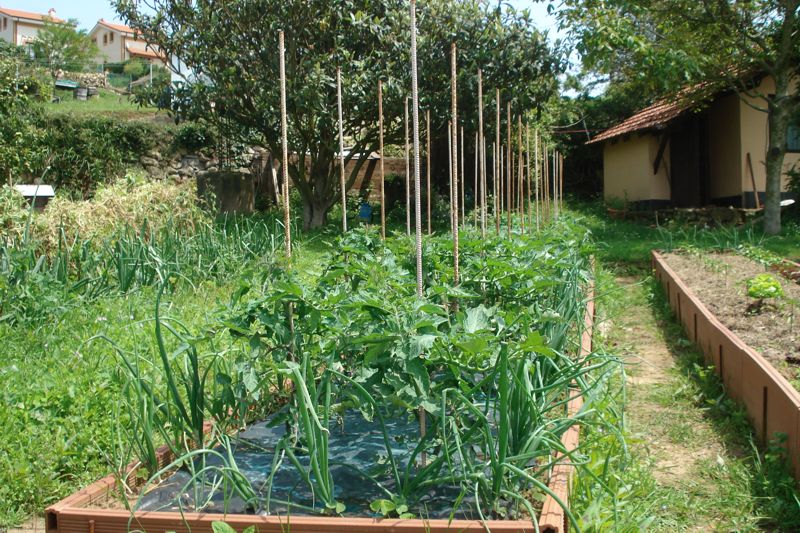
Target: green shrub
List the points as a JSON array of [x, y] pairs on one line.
[[88, 151], [193, 137]]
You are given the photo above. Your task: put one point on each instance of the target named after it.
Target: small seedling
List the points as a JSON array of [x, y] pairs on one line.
[[762, 287]]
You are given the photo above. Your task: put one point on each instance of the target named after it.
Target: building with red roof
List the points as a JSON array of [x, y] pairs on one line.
[[704, 146], [21, 27], [119, 43]]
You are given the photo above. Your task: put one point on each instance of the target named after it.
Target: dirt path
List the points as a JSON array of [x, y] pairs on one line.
[[698, 480]]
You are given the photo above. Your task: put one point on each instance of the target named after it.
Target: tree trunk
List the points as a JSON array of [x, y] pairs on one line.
[[778, 121], [315, 214]]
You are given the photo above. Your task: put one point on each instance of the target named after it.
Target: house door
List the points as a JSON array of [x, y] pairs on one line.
[[689, 158]]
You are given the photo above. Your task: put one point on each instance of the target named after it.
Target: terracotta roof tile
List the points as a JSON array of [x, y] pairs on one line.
[[660, 113], [118, 27], [140, 48], [27, 14]]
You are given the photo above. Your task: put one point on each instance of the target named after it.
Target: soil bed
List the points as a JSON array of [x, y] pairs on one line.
[[719, 280]]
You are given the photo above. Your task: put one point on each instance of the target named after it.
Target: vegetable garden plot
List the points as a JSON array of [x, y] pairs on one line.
[[493, 378]]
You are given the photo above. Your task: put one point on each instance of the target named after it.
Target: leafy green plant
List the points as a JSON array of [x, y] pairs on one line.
[[763, 287]]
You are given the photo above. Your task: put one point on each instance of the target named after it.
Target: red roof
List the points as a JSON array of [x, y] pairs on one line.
[[141, 49], [118, 27], [16, 13], [661, 113], [654, 117]]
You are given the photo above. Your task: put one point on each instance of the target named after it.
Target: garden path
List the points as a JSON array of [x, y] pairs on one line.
[[699, 479]]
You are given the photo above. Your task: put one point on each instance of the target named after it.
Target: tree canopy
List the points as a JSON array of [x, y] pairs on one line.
[[63, 47], [233, 46]]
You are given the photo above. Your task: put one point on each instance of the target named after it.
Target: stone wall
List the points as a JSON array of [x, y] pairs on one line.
[[86, 79]]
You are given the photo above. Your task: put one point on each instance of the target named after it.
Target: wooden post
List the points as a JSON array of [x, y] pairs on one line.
[[380, 153], [753, 181]]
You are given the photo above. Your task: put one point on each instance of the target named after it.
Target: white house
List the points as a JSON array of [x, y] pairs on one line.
[[22, 27], [118, 43]]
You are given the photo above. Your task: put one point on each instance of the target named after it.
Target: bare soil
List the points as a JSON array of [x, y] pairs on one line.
[[719, 280]]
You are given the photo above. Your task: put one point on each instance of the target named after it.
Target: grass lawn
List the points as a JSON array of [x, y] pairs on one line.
[[106, 103], [629, 242]]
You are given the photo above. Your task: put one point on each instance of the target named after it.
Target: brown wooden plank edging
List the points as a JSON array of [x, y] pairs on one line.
[[71, 515], [553, 519], [772, 404]]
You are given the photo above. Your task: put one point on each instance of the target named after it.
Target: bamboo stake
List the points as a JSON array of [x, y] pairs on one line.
[[509, 167], [561, 178], [520, 175], [450, 169], [417, 200], [538, 176], [284, 150], [341, 147], [380, 149], [528, 174], [408, 177], [494, 187], [287, 225], [475, 184], [428, 163], [546, 182], [463, 182], [482, 144], [498, 164], [483, 187], [454, 113]]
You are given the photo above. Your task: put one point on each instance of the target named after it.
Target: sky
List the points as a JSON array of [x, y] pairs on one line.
[[88, 12]]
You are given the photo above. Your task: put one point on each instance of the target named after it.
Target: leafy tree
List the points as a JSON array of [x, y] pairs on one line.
[[136, 68], [20, 153], [233, 48], [63, 47], [665, 44]]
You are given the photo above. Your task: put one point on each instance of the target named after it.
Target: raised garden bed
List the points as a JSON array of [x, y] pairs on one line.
[[772, 403], [91, 509], [720, 281]]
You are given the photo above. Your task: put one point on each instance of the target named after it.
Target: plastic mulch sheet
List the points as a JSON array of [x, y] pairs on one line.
[[357, 452]]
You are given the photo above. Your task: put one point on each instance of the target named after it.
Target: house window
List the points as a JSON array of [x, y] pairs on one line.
[[5, 23], [793, 136], [105, 40], [111, 37]]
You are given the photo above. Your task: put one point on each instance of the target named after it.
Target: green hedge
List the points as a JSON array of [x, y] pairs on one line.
[[87, 151]]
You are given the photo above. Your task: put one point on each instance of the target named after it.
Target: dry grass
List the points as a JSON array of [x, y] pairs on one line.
[[120, 204]]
